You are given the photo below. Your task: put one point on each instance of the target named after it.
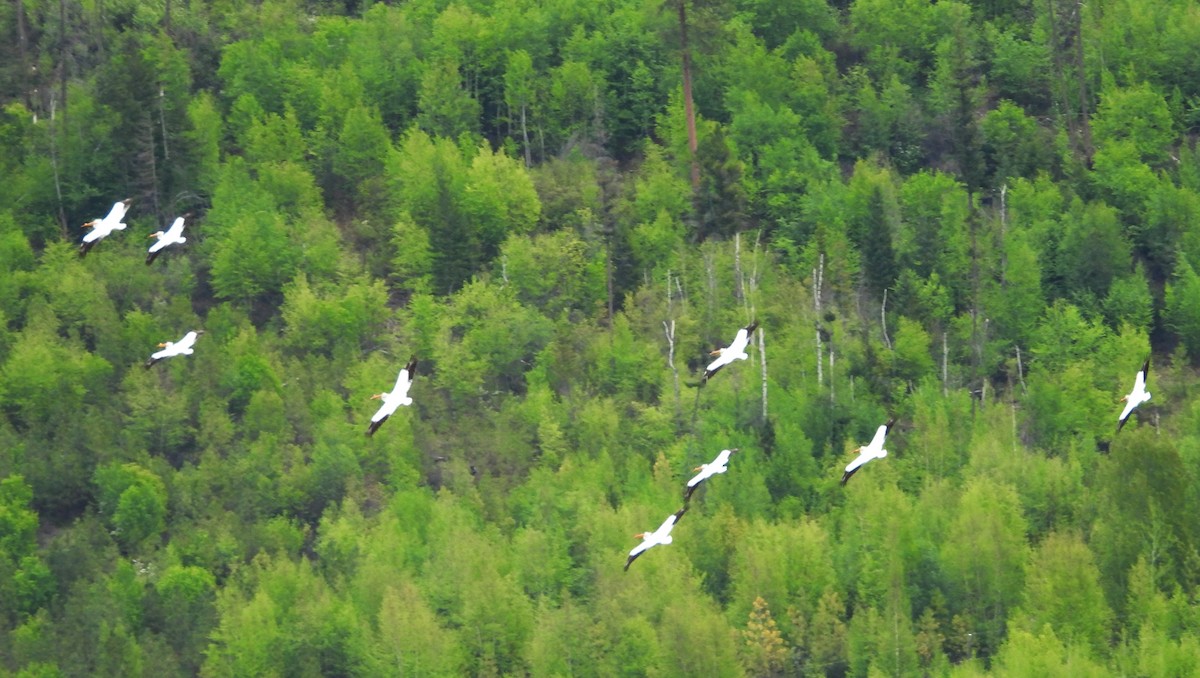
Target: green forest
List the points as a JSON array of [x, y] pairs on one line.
[[977, 218]]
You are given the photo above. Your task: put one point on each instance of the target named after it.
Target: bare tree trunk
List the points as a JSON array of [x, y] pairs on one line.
[[883, 320], [23, 52], [737, 266], [669, 330], [1085, 125], [62, 65], [762, 354], [688, 107], [62, 215], [945, 365], [162, 118], [832, 380], [525, 138], [1021, 371], [818, 273]]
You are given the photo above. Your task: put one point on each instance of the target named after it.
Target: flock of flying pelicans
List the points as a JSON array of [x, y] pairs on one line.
[[398, 396]]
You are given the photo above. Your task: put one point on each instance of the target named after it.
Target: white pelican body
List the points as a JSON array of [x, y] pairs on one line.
[[706, 471], [1137, 396], [171, 349], [735, 351], [398, 396], [101, 228], [873, 451], [172, 236], [660, 536]]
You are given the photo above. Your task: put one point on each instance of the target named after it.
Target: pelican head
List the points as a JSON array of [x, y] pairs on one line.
[[640, 535], [377, 396], [717, 352], [91, 223], [1124, 398], [698, 467], [156, 234], [161, 344]]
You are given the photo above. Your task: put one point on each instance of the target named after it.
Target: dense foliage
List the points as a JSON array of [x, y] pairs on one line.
[[976, 217]]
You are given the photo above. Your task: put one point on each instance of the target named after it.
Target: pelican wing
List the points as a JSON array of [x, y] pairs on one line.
[[117, 213], [742, 340], [404, 379], [174, 233], [637, 551], [377, 420], [186, 342], [700, 477], [849, 472], [880, 435], [853, 466]]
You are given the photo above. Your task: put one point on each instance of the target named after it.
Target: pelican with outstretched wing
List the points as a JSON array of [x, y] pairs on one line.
[[735, 351], [398, 396], [172, 236], [872, 451], [102, 228], [170, 349], [1137, 396], [651, 539]]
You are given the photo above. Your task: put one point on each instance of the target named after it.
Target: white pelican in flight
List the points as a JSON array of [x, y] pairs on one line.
[[171, 236], [398, 396], [1137, 396], [171, 349], [873, 451], [101, 228], [735, 351], [706, 471], [660, 536]]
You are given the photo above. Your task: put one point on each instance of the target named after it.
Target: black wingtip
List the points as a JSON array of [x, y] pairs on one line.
[[846, 476], [680, 512], [84, 248], [151, 257], [411, 367], [1146, 368], [687, 492], [375, 426], [751, 327]]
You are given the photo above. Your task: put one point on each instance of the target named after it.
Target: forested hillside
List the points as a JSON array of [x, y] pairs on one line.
[[977, 218]]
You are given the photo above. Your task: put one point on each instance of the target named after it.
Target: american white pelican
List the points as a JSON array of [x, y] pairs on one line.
[[735, 351], [398, 396], [171, 349], [1137, 396], [101, 228], [660, 536], [171, 236], [873, 451], [706, 471]]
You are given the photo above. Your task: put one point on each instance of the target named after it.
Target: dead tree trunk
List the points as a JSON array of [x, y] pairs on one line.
[[689, 111]]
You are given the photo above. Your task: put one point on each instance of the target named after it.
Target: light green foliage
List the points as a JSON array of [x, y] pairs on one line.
[[1182, 312], [445, 108], [134, 502], [503, 191], [553, 272], [1063, 592], [984, 557]]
